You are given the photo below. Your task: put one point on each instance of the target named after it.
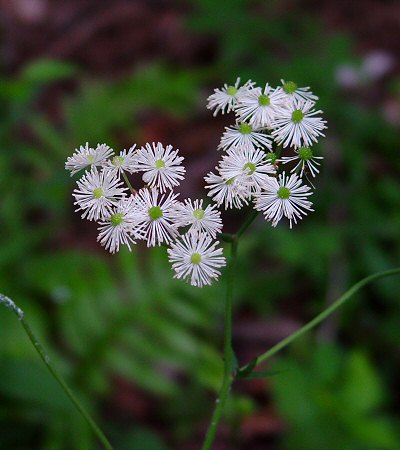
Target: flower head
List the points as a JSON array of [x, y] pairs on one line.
[[162, 166], [232, 192], [249, 167], [284, 197], [87, 156], [124, 162], [196, 258], [243, 135], [291, 91], [192, 213], [120, 226], [259, 106], [225, 99], [296, 126], [97, 193], [156, 216], [305, 158]]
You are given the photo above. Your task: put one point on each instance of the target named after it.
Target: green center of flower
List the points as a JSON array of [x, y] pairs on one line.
[[230, 181], [245, 128], [264, 100], [232, 90], [98, 193], [305, 153], [271, 156], [283, 192], [297, 116], [155, 212], [159, 164], [118, 160], [289, 87], [117, 219], [198, 213], [195, 258], [90, 158], [249, 168]]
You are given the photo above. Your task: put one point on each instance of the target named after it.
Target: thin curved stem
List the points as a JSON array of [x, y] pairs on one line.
[[321, 316], [131, 188], [60, 380], [228, 354], [250, 219]]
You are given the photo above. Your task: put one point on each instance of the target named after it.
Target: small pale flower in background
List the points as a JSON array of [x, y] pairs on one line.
[[124, 162], [97, 194], [284, 197], [297, 127], [249, 167], [225, 99], [291, 91], [259, 106], [156, 216], [119, 227], [162, 166], [244, 135], [229, 192], [305, 158], [196, 258], [88, 157], [192, 213]]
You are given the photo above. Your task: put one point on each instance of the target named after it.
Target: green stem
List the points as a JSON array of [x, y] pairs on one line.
[[132, 189], [320, 317], [45, 358], [228, 354], [250, 219]]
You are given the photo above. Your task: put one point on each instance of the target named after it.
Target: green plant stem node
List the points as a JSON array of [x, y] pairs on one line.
[[264, 100], [155, 212], [195, 258], [98, 193], [283, 192], [271, 156], [198, 213], [297, 116]]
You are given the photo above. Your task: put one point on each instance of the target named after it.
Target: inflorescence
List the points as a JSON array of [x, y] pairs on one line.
[[268, 121]]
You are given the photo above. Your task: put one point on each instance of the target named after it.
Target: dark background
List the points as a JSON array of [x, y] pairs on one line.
[[142, 350]]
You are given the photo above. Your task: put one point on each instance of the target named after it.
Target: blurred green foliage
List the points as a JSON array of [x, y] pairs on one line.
[[124, 317]]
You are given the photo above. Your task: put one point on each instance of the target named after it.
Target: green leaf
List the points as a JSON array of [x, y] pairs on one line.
[[47, 71]]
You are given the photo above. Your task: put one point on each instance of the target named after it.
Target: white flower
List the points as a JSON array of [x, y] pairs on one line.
[[225, 99], [156, 216], [260, 106], [230, 192], [292, 92], [304, 157], [249, 167], [199, 219], [284, 197], [97, 193], [124, 162], [243, 135], [87, 156], [161, 166], [120, 226], [296, 126], [196, 259]]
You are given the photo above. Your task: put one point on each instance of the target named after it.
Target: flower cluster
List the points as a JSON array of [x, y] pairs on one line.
[[267, 120]]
